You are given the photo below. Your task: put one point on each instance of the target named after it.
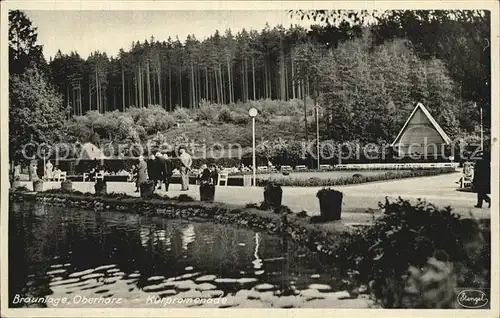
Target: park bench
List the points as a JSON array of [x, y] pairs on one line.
[[300, 167]]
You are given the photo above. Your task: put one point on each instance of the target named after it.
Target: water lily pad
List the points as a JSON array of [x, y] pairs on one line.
[[338, 295], [206, 278], [264, 287], [320, 287], [226, 280], [82, 273], [206, 286], [153, 278], [247, 280]]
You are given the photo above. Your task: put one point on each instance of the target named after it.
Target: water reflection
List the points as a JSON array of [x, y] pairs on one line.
[[63, 252]]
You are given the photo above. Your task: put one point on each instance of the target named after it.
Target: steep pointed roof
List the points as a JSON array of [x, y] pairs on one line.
[[435, 125], [91, 151]]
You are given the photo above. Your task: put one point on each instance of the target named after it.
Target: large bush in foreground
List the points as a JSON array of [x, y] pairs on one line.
[[412, 238]]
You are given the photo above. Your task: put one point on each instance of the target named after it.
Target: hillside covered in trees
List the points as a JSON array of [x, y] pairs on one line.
[[365, 77]]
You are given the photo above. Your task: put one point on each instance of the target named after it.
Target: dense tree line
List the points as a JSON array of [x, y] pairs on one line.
[[365, 81], [222, 69]]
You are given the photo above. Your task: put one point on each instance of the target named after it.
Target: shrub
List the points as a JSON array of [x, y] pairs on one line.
[[409, 235], [183, 198], [302, 214], [181, 114]]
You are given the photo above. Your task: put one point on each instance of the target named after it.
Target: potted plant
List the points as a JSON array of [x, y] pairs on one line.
[[15, 182], [273, 194], [147, 189], [100, 187], [38, 185], [207, 180], [67, 185], [330, 204]]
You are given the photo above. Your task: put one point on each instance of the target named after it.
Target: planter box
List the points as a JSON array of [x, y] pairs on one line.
[[147, 189], [273, 195], [15, 184], [330, 204], [207, 192], [67, 185], [100, 187], [37, 186]]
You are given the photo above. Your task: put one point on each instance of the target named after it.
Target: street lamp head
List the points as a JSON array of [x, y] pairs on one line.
[[253, 112]]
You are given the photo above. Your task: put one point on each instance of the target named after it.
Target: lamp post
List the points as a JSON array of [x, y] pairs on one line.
[[317, 107], [253, 113]]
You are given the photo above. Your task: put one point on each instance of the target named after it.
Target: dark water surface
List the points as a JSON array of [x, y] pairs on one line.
[[72, 253]]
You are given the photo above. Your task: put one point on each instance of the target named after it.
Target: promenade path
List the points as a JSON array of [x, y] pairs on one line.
[[358, 199]]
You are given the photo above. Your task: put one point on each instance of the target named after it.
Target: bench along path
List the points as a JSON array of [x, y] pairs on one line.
[[439, 190]]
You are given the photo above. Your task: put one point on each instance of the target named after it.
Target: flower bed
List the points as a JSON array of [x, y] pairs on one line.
[[358, 179]]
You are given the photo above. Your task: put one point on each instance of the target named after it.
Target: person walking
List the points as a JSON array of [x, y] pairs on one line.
[[165, 168], [33, 171], [153, 170], [49, 173], [186, 163], [142, 172], [481, 182]]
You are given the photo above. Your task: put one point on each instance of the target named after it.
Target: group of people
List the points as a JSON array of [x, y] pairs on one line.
[[159, 169]]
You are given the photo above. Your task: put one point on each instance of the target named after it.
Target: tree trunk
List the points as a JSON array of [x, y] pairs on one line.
[[193, 87], [98, 106], [67, 97], [90, 94], [292, 53], [129, 90], [229, 84], [305, 108], [266, 86], [180, 85], [169, 88], [158, 74], [123, 89], [80, 97], [282, 75], [253, 78], [148, 84], [206, 83]]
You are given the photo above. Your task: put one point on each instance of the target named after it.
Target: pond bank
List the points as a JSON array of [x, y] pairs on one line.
[[318, 237]]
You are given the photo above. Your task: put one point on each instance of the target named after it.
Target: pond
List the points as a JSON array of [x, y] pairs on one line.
[[112, 259]]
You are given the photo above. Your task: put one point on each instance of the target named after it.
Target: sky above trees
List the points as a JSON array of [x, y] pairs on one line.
[[88, 31]]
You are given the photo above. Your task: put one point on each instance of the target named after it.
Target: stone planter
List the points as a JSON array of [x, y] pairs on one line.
[[38, 186], [100, 187], [330, 204], [207, 192], [273, 195], [15, 184], [147, 189], [67, 185]]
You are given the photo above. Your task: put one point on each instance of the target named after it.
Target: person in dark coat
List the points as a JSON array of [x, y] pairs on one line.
[[481, 182], [153, 170], [166, 170]]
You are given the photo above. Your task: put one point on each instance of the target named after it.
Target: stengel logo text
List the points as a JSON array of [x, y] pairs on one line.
[[471, 298]]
